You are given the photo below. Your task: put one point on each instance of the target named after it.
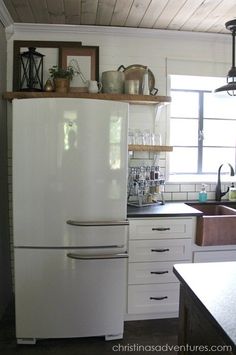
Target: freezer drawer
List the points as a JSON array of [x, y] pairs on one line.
[[58, 295]]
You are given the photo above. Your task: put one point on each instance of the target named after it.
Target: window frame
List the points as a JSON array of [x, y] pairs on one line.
[[200, 134]]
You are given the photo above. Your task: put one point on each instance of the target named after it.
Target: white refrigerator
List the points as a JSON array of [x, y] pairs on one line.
[[69, 217]]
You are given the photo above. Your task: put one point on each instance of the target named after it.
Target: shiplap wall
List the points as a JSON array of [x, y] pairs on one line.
[[5, 270], [128, 46]]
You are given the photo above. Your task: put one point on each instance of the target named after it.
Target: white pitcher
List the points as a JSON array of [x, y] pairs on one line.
[[94, 86]]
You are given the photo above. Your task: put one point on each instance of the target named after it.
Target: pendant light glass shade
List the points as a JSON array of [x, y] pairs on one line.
[[230, 87]]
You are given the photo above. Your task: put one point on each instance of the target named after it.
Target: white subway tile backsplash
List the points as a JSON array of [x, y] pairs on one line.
[[212, 187], [211, 195], [192, 196], [189, 192], [187, 187], [179, 196], [167, 196], [172, 187]]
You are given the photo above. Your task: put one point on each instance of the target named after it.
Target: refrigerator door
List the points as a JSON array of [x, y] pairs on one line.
[[69, 163], [111, 236], [63, 295]]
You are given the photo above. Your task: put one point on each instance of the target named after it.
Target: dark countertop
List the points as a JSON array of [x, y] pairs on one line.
[[170, 209], [214, 287]]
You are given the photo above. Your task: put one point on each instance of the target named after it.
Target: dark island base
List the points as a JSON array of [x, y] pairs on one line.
[[196, 331]]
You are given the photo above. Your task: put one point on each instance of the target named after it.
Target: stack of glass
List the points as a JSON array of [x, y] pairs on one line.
[[137, 137]]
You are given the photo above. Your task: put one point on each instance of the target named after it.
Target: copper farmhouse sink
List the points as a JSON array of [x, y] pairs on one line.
[[217, 225]]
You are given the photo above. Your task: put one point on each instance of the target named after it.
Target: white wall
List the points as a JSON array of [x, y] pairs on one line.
[[164, 52]]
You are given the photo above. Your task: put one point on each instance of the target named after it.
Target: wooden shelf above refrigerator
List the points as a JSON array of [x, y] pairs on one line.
[[150, 148], [132, 99]]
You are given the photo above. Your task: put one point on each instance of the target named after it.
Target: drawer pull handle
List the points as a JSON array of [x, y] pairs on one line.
[[158, 298], [161, 229], [159, 272], [160, 250]]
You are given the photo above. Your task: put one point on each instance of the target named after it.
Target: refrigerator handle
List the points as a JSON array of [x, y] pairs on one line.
[[97, 257], [98, 223]]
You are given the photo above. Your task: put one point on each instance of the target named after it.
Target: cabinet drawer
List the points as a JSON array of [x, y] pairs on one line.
[[161, 228], [153, 298], [151, 273], [159, 250]]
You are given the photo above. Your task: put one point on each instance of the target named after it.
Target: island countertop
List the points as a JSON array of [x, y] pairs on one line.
[[213, 287], [169, 209]]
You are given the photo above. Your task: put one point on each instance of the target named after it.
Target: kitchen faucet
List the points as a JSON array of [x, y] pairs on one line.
[[219, 193]]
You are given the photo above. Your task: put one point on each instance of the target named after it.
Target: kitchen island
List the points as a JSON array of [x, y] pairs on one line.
[[207, 306]]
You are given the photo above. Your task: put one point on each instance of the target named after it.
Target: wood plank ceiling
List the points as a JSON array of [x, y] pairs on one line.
[[182, 15]]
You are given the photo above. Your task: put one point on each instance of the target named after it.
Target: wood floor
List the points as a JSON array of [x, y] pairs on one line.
[[141, 337]]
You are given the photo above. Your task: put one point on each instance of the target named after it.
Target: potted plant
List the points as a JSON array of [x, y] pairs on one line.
[[61, 77]]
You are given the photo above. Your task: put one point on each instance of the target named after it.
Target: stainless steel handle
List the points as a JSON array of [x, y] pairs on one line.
[[161, 229], [160, 250], [159, 272], [98, 223], [97, 257], [158, 298], [102, 246]]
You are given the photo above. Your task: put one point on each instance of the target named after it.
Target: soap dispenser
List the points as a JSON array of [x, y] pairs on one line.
[[202, 197], [232, 193]]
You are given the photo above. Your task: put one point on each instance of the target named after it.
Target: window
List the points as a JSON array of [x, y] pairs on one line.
[[202, 127]]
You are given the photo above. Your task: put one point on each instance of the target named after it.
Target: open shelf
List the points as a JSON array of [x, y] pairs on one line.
[[135, 99], [150, 148]]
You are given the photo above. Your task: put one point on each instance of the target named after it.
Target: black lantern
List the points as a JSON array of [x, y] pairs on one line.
[[31, 70]]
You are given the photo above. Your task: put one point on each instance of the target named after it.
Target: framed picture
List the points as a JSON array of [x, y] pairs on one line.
[[85, 61], [50, 50]]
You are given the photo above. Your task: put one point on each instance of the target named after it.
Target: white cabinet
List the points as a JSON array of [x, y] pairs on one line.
[[160, 298], [160, 228], [151, 273], [159, 250], [155, 245], [214, 255]]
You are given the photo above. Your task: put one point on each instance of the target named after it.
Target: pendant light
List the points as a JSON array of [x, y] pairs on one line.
[[230, 87]]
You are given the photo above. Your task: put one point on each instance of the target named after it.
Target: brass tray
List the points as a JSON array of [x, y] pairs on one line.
[[136, 72]]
